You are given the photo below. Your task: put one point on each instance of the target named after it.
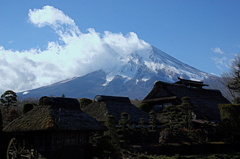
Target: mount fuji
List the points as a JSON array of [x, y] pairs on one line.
[[133, 76]]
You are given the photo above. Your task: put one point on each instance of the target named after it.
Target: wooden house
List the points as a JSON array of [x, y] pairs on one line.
[[205, 100], [115, 106], [56, 123]]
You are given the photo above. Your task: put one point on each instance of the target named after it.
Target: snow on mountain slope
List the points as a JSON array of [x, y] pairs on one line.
[[133, 76], [152, 61]]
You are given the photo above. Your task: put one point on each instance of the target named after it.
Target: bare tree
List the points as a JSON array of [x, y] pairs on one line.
[[232, 79]]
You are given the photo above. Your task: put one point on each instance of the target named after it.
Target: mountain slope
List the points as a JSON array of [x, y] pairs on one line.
[[133, 76]]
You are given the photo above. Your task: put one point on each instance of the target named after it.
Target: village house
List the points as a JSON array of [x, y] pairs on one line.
[[55, 124], [206, 101], [115, 106]]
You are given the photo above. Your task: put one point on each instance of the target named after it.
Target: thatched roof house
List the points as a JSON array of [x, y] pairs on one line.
[[113, 105], [55, 114], [205, 100], [54, 125]]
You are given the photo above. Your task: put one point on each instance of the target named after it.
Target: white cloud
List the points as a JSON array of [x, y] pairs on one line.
[[49, 16], [124, 44], [218, 50], [221, 59], [222, 63], [74, 55]]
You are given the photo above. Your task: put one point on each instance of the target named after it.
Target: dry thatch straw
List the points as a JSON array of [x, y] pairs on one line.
[[55, 113], [113, 105]]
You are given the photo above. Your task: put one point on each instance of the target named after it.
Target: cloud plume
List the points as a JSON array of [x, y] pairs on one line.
[[217, 50], [74, 54]]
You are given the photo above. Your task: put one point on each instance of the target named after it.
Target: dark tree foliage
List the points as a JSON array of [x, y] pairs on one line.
[[111, 138], [124, 130], [9, 99], [178, 126], [84, 102], [112, 130], [107, 145], [124, 120], [1, 121], [229, 128], [27, 107], [145, 107], [152, 122], [187, 112], [142, 132]]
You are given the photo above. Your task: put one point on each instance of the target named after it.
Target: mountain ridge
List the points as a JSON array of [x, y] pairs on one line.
[[133, 76]]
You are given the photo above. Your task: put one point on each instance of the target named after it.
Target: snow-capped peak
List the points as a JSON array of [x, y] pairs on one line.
[[143, 64]]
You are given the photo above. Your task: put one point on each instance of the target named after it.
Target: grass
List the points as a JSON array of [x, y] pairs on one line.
[[211, 152], [177, 156]]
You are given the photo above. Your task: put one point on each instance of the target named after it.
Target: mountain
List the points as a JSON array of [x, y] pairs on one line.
[[133, 76]]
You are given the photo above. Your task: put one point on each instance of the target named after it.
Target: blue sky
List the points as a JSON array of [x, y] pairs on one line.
[[202, 33]]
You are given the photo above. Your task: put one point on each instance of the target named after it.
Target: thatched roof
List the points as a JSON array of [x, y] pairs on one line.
[[102, 108], [102, 98], [62, 114], [191, 83], [205, 100]]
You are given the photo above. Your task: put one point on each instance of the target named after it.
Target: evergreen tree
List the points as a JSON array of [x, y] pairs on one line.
[[152, 121], [9, 99], [124, 131], [152, 133], [143, 132], [178, 120], [1, 121], [187, 112], [112, 131], [142, 123], [229, 127], [106, 145], [124, 120], [112, 137]]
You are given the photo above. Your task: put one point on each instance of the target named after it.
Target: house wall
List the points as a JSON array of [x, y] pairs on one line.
[[46, 143]]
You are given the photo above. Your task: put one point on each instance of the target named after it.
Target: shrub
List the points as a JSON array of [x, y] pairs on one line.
[[145, 107], [27, 107], [1, 121], [84, 102], [229, 127]]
